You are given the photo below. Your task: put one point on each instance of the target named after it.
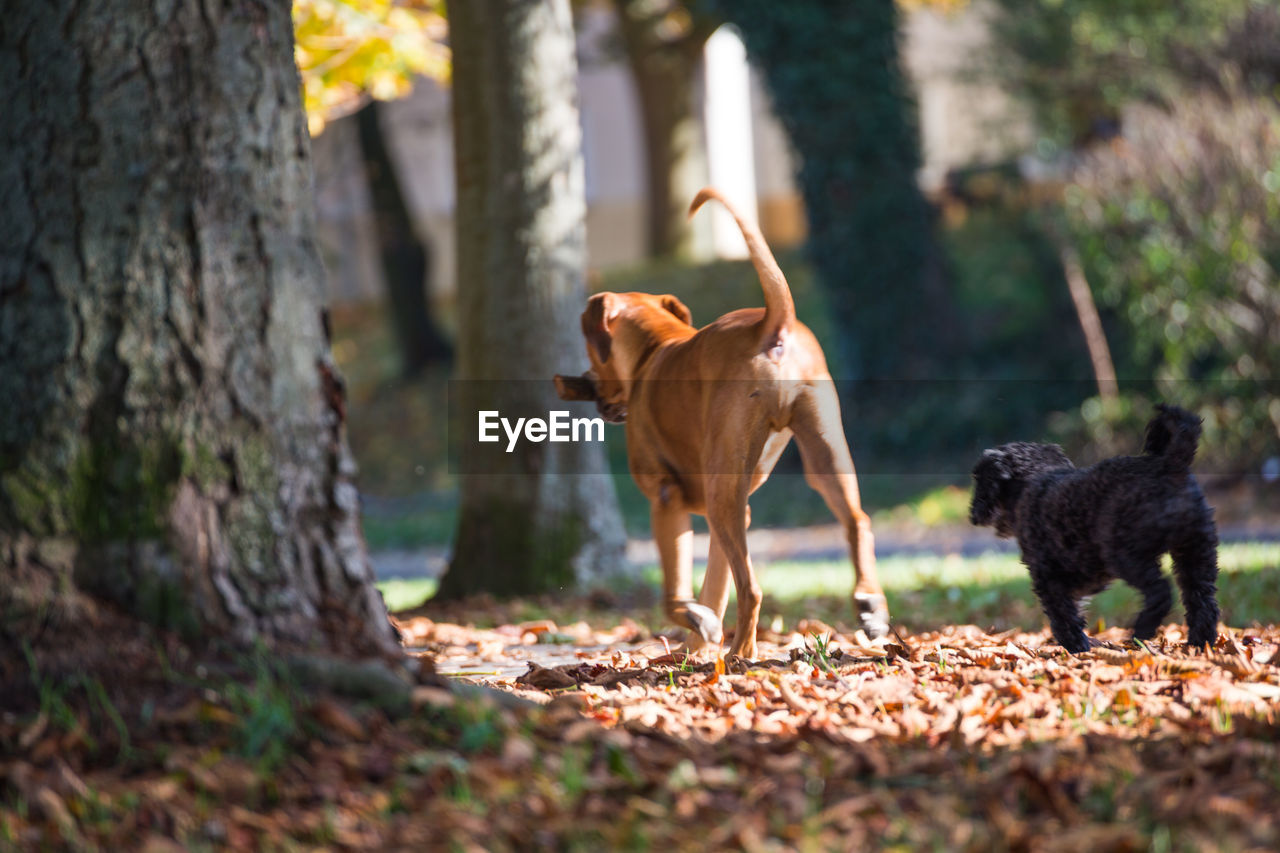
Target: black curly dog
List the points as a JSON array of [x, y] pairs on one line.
[[1080, 528]]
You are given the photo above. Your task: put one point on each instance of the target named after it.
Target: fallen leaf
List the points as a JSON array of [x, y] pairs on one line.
[[333, 716], [545, 679]]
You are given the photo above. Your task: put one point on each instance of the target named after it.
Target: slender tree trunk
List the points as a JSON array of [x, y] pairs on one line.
[[664, 74], [543, 517], [405, 260], [1095, 338], [171, 426]]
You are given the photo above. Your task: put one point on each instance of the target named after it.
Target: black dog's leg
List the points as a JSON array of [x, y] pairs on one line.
[[1062, 609], [1157, 596], [1195, 565]]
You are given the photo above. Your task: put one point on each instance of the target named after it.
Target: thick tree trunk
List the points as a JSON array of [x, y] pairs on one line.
[[545, 516], [171, 426], [404, 254], [664, 72]]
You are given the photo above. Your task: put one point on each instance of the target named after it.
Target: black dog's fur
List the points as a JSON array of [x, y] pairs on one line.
[[1079, 529]]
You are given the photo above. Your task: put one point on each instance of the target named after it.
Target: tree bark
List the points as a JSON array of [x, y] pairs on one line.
[[664, 70], [543, 517], [404, 255], [171, 425]]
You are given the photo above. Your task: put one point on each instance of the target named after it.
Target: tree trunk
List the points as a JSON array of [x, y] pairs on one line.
[[664, 73], [1095, 338], [171, 425], [543, 517], [405, 260]]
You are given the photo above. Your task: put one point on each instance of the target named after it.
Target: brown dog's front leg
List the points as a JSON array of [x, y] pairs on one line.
[[674, 538], [726, 512], [714, 594], [715, 583]]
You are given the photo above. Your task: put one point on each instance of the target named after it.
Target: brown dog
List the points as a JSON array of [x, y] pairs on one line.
[[708, 411]]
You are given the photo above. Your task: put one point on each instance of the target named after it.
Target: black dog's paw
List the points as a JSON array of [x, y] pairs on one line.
[[1202, 640], [1077, 645]]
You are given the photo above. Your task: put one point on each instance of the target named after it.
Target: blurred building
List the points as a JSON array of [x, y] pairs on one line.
[[964, 120]]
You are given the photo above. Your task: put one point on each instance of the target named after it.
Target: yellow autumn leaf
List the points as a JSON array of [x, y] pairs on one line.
[[350, 50]]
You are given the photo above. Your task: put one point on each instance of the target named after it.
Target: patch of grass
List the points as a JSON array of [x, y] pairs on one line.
[[471, 727], [947, 504], [59, 703], [928, 591], [993, 591], [267, 713], [818, 655], [54, 705], [98, 695], [406, 593]]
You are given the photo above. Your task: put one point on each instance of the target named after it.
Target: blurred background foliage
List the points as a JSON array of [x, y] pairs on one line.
[[1165, 119], [350, 50], [1156, 157], [1079, 63], [1180, 229]]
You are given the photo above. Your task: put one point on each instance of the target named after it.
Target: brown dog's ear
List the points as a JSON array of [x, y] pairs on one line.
[[602, 308], [575, 388], [678, 308]]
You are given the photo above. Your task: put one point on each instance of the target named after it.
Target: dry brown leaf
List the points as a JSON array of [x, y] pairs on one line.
[[33, 732], [546, 679], [161, 844], [56, 811], [333, 716], [435, 697]]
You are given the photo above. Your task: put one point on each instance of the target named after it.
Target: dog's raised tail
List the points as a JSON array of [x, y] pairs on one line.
[[779, 308], [1173, 435]]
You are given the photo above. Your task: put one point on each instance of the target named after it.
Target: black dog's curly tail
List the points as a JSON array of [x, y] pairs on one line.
[[1173, 435]]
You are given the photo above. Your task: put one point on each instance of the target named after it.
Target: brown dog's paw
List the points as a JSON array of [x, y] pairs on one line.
[[873, 612], [704, 621]]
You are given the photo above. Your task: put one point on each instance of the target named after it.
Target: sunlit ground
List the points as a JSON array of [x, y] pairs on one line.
[[927, 591]]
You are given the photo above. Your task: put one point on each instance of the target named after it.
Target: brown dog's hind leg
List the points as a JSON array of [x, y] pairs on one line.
[[726, 509], [828, 469], [674, 538]]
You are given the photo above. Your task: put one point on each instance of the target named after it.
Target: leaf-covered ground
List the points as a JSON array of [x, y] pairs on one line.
[[956, 739], [595, 737]]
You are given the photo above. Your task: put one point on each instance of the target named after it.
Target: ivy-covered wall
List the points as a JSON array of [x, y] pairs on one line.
[[839, 89]]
